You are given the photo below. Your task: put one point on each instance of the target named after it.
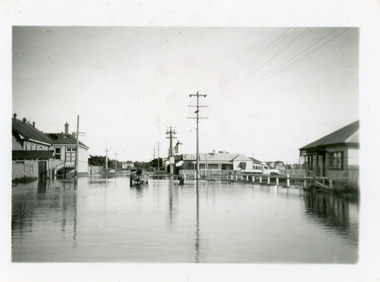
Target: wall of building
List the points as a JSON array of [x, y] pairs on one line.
[[350, 163], [29, 168], [26, 168], [83, 161], [95, 169]]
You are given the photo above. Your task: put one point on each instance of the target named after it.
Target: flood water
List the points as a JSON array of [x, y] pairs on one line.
[[105, 220]]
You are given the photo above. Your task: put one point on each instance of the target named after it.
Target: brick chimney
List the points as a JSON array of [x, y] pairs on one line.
[[14, 115], [66, 128], [24, 120], [34, 124]]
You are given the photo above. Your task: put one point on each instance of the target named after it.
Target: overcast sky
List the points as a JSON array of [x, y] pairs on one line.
[[270, 91]]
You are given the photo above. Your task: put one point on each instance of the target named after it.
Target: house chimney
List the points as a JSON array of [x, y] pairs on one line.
[[24, 120], [14, 115], [66, 128], [34, 124]]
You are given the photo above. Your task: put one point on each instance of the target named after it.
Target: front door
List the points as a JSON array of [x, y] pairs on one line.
[[41, 170], [320, 168]]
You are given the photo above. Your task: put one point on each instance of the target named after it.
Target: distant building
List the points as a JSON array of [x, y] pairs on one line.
[[334, 155], [127, 165], [64, 146], [31, 151], [215, 162]]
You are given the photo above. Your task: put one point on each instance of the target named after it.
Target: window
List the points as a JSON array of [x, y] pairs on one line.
[[212, 166], [57, 153], [336, 160], [70, 154], [227, 167]]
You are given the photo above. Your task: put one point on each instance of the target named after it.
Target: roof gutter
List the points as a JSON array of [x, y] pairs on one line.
[[43, 143]]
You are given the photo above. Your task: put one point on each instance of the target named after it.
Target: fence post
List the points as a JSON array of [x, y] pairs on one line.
[[253, 178], [261, 179], [268, 179], [277, 180], [305, 183], [331, 183], [287, 180]]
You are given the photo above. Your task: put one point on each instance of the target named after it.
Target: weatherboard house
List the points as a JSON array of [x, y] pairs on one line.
[[334, 155], [64, 147], [32, 156], [215, 162]]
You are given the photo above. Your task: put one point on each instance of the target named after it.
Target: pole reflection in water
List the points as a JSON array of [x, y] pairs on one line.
[[197, 222], [171, 199]]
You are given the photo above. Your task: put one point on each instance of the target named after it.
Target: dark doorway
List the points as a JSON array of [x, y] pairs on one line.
[[41, 170]]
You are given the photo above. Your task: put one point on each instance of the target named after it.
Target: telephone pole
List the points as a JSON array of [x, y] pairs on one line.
[[171, 134], [77, 134], [197, 123], [77, 149], [106, 158], [158, 156]]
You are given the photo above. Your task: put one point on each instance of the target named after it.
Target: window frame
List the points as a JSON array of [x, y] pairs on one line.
[[336, 159]]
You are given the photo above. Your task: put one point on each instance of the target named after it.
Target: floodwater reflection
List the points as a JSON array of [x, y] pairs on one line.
[[99, 219], [332, 212]]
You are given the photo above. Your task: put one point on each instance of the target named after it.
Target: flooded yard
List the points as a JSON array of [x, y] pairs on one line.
[[105, 220]]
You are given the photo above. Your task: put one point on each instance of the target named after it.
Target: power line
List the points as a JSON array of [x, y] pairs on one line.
[[298, 37], [273, 43], [294, 57], [298, 57]]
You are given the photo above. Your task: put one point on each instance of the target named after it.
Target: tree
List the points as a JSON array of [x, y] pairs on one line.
[[97, 160]]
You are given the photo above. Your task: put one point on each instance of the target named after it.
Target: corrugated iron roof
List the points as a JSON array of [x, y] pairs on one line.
[[211, 157], [337, 137], [32, 155], [28, 131], [64, 138]]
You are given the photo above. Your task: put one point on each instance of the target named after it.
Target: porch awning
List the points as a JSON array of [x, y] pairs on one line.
[[31, 155]]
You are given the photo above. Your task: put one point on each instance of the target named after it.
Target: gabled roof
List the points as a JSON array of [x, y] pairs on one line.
[[64, 138], [341, 136], [32, 155], [29, 132], [241, 157], [256, 161], [216, 157]]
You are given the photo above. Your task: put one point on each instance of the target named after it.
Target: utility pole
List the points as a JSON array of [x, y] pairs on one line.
[[76, 135], [106, 159], [171, 134], [77, 149], [158, 156], [197, 123]]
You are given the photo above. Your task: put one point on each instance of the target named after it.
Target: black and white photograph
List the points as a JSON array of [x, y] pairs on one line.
[[189, 145]]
